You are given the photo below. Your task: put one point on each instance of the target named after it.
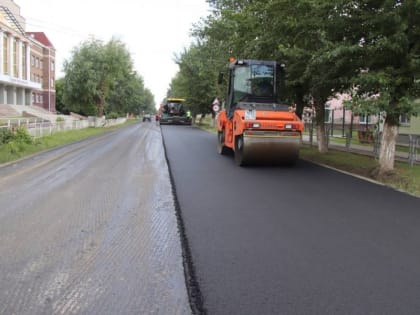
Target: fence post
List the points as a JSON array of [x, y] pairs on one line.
[[414, 141]]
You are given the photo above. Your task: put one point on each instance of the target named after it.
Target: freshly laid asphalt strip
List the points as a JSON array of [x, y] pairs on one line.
[[292, 240]]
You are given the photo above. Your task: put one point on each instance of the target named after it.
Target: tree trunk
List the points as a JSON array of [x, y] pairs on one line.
[[320, 128], [101, 100], [322, 138], [387, 150], [100, 107]]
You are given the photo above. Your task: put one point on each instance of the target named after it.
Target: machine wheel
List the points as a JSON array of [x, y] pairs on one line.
[[221, 148], [239, 151]]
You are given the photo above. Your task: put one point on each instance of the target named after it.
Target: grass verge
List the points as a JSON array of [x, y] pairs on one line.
[[14, 151]]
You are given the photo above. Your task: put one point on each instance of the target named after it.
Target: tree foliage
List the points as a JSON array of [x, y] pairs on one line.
[[197, 79], [99, 78], [59, 100]]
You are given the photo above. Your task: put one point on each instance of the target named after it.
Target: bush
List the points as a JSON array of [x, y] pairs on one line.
[[112, 115], [22, 136], [6, 135]]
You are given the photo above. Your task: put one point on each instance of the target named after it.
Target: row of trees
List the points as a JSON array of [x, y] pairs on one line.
[[368, 48], [99, 79]]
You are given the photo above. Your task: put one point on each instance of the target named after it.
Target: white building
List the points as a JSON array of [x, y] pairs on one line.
[[27, 62]]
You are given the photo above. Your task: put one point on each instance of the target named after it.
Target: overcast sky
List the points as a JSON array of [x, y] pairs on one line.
[[152, 29]]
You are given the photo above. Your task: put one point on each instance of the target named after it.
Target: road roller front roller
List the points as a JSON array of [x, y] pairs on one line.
[[255, 123]]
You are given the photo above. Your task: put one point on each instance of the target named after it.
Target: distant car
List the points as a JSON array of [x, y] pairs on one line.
[[147, 117]]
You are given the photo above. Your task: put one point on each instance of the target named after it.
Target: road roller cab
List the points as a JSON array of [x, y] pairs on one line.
[[255, 123]]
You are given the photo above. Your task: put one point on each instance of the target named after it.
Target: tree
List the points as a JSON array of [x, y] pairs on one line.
[[129, 95], [388, 77], [93, 71], [59, 100], [197, 79]]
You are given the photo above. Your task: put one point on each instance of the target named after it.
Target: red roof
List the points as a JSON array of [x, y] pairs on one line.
[[41, 37]]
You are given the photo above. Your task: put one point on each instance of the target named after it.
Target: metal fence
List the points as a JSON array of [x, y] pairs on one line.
[[39, 128], [365, 139]]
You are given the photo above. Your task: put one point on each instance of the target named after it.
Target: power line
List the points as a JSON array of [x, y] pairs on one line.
[[53, 27]]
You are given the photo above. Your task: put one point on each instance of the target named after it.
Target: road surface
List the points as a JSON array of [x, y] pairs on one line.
[[292, 240], [90, 228]]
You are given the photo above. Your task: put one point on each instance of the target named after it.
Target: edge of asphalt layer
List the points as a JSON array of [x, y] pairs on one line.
[[193, 289]]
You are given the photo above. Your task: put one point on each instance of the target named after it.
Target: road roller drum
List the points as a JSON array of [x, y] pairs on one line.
[[275, 149]]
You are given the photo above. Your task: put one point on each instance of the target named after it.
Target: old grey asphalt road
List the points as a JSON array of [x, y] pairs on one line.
[[90, 228], [300, 240]]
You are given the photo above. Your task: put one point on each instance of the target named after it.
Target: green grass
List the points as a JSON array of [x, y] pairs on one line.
[[13, 151]]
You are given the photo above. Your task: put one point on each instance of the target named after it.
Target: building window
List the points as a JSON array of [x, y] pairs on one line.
[[405, 120], [52, 66], [52, 83], [41, 64], [37, 98], [32, 60], [41, 98], [5, 55], [33, 97], [15, 58], [24, 48], [365, 119], [328, 114]]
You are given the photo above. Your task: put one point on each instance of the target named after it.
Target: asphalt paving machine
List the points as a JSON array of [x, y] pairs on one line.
[[173, 113], [255, 123]]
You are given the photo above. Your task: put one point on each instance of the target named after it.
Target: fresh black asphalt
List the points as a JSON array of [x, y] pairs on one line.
[[292, 240]]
